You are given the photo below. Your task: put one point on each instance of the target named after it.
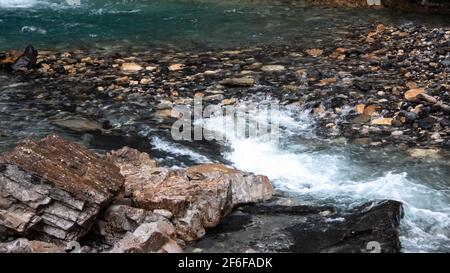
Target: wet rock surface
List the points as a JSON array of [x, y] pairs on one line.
[[307, 228]]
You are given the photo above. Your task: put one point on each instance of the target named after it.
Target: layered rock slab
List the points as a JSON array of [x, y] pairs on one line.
[[52, 189]]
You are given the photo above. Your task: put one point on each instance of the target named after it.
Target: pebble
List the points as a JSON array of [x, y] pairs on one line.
[[176, 67], [131, 67], [382, 121], [314, 52], [411, 95], [273, 68], [238, 82]]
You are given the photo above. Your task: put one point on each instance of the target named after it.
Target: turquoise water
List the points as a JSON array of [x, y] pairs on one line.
[[178, 23]]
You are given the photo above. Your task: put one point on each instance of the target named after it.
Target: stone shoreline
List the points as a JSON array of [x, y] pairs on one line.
[[381, 86]]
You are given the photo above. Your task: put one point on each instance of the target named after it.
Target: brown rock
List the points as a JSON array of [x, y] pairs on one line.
[[131, 67], [359, 108], [228, 101], [148, 237], [167, 114], [370, 109], [382, 121], [314, 52], [427, 98], [411, 95], [238, 82], [53, 189], [176, 67], [327, 81], [123, 81], [198, 197], [145, 81], [245, 187], [380, 28], [118, 220]]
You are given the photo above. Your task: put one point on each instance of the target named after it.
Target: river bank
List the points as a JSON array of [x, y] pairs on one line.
[[380, 86]]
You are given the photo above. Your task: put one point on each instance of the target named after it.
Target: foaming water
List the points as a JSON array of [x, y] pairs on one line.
[[38, 4], [18, 3], [177, 150], [317, 170]]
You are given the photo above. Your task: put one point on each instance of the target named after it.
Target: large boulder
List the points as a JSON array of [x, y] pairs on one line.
[[276, 226], [372, 226], [53, 189], [198, 197]]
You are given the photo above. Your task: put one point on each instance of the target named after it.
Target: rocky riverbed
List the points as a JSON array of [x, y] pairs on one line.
[[382, 86]]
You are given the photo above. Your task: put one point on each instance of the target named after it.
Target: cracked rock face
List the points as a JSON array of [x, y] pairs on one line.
[[149, 237], [197, 197], [118, 220], [52, 190]]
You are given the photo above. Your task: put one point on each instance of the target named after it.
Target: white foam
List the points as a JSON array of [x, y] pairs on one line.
[[324, 175], [177, 149], [33, 29], [25, 4], [18, 3]]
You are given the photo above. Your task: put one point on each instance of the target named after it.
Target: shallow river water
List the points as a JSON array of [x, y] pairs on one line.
[[179, 23]]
